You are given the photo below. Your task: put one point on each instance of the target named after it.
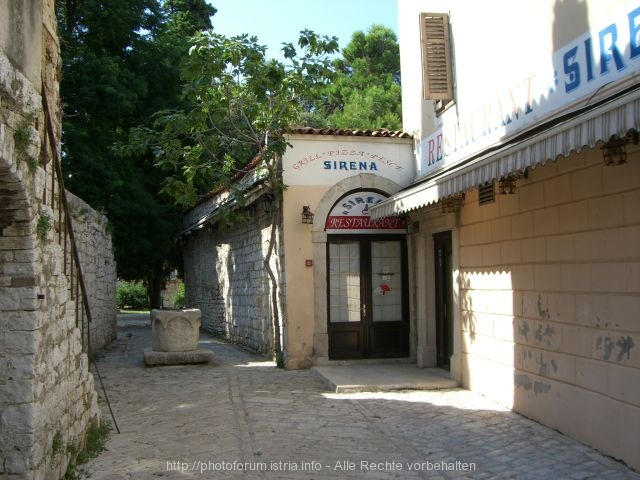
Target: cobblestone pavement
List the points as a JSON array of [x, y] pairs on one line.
[[243, 418]]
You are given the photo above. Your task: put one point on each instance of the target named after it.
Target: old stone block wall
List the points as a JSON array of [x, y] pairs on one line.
[[94, 243], [225, 278], [550, 299], [47, 394]]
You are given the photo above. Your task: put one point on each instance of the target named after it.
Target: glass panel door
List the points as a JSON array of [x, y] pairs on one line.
[[344, 282], [386, 280], [367, 297], [344, 267]]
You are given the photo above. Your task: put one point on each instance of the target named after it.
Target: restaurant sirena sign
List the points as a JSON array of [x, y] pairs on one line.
[[351, 215]]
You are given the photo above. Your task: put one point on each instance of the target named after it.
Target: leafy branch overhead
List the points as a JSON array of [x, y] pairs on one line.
[[240, 105]]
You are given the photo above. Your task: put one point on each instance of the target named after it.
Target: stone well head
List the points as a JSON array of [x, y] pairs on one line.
[[175, 330]]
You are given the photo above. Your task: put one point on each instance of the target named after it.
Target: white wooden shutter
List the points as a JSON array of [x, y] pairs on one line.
[[436, 56]]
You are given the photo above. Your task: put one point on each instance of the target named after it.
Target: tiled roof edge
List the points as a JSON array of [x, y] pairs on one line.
[[382, 132]]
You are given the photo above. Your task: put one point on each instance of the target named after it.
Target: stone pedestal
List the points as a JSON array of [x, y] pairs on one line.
[[175, 338], [175, 330]]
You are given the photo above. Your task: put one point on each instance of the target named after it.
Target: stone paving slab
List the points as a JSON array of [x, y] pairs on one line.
[[242, 418]]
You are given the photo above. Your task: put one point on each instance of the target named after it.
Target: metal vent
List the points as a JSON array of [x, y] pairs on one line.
[[486, 193]]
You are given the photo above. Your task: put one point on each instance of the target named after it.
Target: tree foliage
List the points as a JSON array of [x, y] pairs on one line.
[[120, 64], [366, 91], [124, 65], [240, 105]]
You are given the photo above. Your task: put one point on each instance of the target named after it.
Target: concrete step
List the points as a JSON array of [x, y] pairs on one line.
[[381, 377]]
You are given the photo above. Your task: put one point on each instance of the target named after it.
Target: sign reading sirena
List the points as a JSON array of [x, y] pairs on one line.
[[351, 215]]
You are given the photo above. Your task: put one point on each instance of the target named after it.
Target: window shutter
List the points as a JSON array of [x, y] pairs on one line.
[[436, 56]]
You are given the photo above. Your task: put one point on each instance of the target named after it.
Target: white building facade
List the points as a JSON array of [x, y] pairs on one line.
[[343, 286], [525, 231]]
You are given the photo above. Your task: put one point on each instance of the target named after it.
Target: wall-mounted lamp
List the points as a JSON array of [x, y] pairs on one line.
[[614, 151], [307, 215], [507, 185], [452, 203]]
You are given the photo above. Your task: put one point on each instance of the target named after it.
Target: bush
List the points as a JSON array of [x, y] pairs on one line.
[[179, 299], [132, 295]]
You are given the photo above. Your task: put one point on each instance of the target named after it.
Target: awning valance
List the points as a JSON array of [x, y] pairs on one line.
[[583, 129]]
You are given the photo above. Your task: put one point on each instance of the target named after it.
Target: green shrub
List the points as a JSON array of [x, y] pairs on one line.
[[45, 223], [96, 437], [132, 295], [179, 299]]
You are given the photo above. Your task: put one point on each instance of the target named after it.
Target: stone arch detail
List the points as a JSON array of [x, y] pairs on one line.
[[13, 198], [362, 181], [46, 388], [18, 275], [19, 316]]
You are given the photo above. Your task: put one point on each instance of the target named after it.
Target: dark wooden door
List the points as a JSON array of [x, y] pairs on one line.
[[444, 298], [367, 297]]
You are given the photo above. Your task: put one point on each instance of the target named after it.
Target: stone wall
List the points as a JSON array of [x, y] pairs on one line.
[[47, 395], [93, 239], [225, 278]]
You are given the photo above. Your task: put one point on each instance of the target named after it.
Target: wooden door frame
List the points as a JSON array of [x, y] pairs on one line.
[[366, 288], [444, 304]]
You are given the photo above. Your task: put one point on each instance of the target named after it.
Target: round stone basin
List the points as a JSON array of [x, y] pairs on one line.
[[175, 330]]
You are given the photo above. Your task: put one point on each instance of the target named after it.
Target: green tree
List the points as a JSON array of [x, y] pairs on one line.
[[241, 105], [120, 64], [366, 92]]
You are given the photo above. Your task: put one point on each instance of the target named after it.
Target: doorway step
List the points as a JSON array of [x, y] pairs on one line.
[[352, 378]]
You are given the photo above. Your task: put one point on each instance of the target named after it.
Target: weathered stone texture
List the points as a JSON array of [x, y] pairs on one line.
[[93, 239], [225, 278], [175, 330], [46, 389]]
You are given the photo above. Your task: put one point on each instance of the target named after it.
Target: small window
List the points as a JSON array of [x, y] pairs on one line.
[[436, 57]]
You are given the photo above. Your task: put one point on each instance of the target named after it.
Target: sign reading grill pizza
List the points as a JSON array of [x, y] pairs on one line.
[[327, 161], [351, 215]]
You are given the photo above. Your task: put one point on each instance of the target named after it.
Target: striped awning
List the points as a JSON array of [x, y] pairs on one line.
[[583, 129]]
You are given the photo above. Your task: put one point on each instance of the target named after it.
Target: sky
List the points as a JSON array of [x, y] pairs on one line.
[[278, 21]]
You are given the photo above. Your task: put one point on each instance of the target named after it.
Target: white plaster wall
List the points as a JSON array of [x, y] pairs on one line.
[[310, 183], [306, 299], [512, 63]]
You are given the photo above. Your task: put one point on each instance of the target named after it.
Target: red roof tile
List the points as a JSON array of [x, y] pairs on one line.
[[382, 132]]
